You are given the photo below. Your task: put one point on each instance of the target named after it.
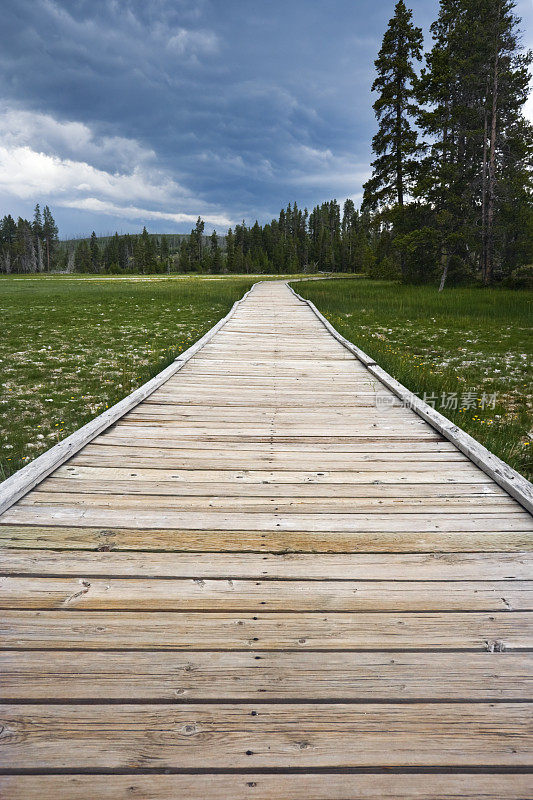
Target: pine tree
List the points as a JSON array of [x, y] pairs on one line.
[[8, 232], [514, 220], [38, 236], [216, 256], [452, 124], [82, 257], [230, 251], [395, 144], [147, 253], [124, 253], [26, 261], [49, 232], [138, 254], [238, 260], [473, 87], [111, 256], [164, 253], [184, 260], [37, 221], [94, 251], [507, 79], [196, 243]]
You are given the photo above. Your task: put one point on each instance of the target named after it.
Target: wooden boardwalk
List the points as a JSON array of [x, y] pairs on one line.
[[263, 582]]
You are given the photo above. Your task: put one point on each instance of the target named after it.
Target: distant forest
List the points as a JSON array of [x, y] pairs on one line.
[[450, 198], [329, 239]]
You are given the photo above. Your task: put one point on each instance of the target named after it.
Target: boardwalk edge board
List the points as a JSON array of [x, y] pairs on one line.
[[21, 482], [504, 475]]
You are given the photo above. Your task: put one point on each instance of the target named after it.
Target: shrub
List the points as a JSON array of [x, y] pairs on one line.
[[520, 278]]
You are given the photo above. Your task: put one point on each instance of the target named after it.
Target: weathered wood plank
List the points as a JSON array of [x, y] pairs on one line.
[[352, 455], [134, 434], [346, 566], [108, 630], [325, 505], [476, 493], [262, 521], [221, 436], [261, 736], [333, 430], [260, 476], [270, 399], [143, 676], [261, 786], [108, 537], [208, 594], [224, 458]]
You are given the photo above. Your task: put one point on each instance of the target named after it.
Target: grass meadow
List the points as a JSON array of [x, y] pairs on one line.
[[73, 346], [466, 344]]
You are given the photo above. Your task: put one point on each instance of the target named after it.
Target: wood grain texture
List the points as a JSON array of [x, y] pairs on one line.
[[257, 736], [156, 518], [329, 505], [176, 539], [273, 676], [87, 480], [229, 594], [270, 568], [345, 566], [260, 631], [260, 786]]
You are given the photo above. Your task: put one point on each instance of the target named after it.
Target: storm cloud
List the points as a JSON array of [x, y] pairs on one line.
[[119, 113]]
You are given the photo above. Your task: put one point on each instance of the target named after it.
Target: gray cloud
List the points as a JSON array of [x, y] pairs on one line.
[[119, 112]]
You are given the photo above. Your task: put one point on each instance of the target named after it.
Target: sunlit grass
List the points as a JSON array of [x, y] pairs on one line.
[[465, 341]]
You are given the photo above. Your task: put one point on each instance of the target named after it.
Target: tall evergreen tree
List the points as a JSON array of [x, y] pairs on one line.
[[94, 251], [38, 236], [395, 144], [37, 221], [147, 253], [196, 243], [473, 87], [230, 251], [8, 233], [26, 260], [164, 253], [49, 232], [507, 78], [111, 256], [184, 260], [82, 257], [216, 256]]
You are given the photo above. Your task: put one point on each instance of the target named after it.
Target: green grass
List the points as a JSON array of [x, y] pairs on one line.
[[73, 346], [469, 341]]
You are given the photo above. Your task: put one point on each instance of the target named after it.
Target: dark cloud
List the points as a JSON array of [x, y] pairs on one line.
[[120, 112]]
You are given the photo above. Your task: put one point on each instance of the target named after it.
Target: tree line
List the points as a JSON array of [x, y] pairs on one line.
[[144, 254], [329, 238], [29, 246]]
